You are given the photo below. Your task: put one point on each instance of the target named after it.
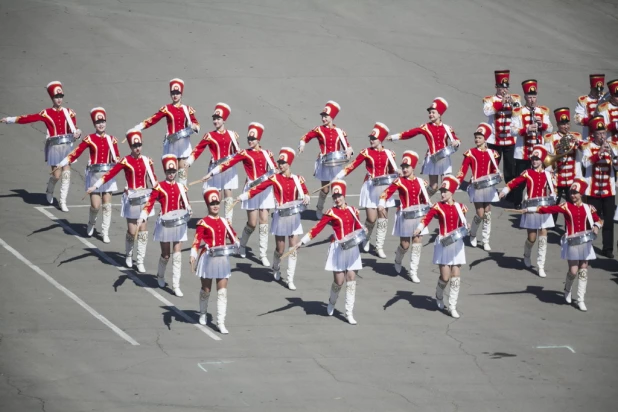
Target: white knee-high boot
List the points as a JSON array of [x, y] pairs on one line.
[[381, 236], [49, 192], [370, 226], [527, 252], [415, 260], [486, 231], [244, 238], [128, 250], [229, 209], [221, 310], [92, 220], [204, 296], [161, 271], [332, 300], [65, 182], [264, 244], [292, 259], [453, 296], [540, 261], [440, 293], [106, 223], [142, 242], [568, 284], [476, 221], [176, 273], [582, 282], [350, 297], [399, 254], [319, 207], [277, 264]]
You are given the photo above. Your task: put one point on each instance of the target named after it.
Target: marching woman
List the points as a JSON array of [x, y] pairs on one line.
[[223, 144], [179, 116], [482, 162], [287, 187], [59, 121], [172, 196], [103, 151], [378, 162], [344, 263], [331, 139], [539, 183], [579, 217], [212, 230], [257, 162], [137, 171], [412, 192], [449, 257], [438, 136]]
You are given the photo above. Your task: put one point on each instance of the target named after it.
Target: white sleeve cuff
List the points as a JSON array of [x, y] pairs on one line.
[[420, 227], [598, 224], [244, 196], [215, 171], [339, 175], [506, 190], [143, 215], [98, 183], [301, 144], [189, 161], [395, 136], [531, 209], [306, 239], [139, 126], [194, 253], [11, 120], [64, 162]]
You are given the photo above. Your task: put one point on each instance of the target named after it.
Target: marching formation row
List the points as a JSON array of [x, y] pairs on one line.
[[539, 167]]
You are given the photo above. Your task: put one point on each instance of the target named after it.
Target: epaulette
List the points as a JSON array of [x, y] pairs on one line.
[[548, 137], [544, 109], [488, 98], [603, 106], [364, 152], [517, 110], [582, 99], [468, 152]]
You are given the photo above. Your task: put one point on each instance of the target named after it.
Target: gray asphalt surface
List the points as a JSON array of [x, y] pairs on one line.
[[278, 62]]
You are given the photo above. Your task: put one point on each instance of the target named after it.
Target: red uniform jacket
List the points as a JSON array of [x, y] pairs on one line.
[[284, 188], [100, 152], [134, 172], [168, 195], [254, 162], [55, 120], [599, 170], [328, 138], [568, 167], [574, 216], [342, 221], [210, 230], [536, 183], [220, 145], [376, 162], [175, 116], [479, 161], [447, 215], [410, 193], [435, 135]]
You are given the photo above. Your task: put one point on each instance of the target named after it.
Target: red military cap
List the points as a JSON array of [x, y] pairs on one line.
[[579, 185], [98, 113], [169, 161], [211, 195], [612, 85], [331, 109], [177, 85], [484, 130], [562, 115], [539, 151], [530, 86], [438, 104], [502, 78], [222, 110], [255, 130], [450, 183], [54, 88], [134, 137], [596, 123], [597, 80], [409, 157], [379, 131], [339, 187], [286, 155]]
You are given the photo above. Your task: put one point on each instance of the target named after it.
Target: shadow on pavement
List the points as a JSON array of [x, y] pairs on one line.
[[416, 301], [38, 199], [503, 261], [545, 296], [170, 315], [256, 273], [311, 307]]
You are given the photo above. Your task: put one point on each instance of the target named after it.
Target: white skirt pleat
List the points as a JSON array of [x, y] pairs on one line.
[[91, 178], [453, 254], [536, 221], [488, 194], [325, 173], [130, 211], [181, 148], [340, 259], [286, 225], [55, 154], [580, 252], [169, 234], [406, 227], [213, 267], [370, 196], [265, 200], [225, 180], [436, 169]]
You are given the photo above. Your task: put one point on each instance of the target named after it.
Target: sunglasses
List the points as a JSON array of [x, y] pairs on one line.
[[58, 96], [136, 145]]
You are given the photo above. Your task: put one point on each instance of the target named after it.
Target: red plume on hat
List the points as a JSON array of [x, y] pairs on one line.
[[54, 88]]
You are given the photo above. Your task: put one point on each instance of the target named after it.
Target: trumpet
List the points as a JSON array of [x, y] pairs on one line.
[[508, 102]]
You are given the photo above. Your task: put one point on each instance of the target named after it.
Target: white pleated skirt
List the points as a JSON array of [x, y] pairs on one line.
[[130, 211], [169, 234], [286, 225], [55, 154], [325, 173], [213, 267], [580, 252], [340, 259], [406, 227], [181, 148], [453, 254], [370, 196], [536, 221], [91, 178], [443, 166], [265, 200], [225, 180], [488, 194]]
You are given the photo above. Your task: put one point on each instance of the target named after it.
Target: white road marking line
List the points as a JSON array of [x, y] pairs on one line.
[[70, 294], [130, 274], [199, 364], [556, 347], [70, 206]]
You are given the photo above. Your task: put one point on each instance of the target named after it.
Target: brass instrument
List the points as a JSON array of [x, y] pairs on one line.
[[565, 147], [508, 102]]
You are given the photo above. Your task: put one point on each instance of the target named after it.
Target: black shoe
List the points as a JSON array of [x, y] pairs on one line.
[[608, 253]]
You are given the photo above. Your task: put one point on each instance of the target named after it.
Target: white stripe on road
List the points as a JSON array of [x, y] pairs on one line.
[[70, 206], [70, 294], [130, 274]]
